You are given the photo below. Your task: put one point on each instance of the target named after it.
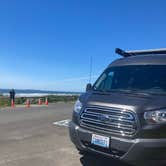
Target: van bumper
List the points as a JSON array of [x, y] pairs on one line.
[[128, 150]]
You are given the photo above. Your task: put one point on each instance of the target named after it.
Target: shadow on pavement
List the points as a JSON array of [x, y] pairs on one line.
[[96, 160]]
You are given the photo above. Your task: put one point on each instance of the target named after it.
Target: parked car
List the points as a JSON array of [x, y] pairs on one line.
[[123, 115]]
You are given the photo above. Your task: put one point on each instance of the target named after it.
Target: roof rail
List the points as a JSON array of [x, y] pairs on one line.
[[140, 52]]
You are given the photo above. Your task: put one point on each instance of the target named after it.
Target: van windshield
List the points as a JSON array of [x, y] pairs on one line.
[[141, 78]]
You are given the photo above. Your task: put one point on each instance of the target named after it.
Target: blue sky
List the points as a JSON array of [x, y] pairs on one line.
[[47, 44]]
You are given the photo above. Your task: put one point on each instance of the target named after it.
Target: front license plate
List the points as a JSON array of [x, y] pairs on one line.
[[100, 140]]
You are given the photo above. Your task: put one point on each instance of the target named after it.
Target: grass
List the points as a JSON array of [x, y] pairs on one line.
[[5, 101]]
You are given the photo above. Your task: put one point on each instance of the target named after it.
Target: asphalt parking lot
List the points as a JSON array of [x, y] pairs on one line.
[[29, 137]]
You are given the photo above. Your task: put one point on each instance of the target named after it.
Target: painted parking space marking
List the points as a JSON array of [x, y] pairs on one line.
[[64, 123]]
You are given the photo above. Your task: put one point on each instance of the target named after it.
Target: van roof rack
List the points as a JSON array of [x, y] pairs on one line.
[[140, 52]]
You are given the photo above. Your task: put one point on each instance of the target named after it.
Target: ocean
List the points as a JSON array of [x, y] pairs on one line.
[[37, 93]]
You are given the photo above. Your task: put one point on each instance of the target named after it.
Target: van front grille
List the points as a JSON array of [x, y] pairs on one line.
[[110, 120]]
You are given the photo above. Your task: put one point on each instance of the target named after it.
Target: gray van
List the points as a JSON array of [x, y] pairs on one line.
[[123, 115]]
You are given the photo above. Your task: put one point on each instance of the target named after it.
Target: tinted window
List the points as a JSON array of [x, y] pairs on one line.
[[141, 78]]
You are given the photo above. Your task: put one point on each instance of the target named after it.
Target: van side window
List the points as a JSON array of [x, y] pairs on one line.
[[108, 81], [105, 82]]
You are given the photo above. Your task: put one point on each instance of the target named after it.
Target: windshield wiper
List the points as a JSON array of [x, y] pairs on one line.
[[156, 91], [130, 91], [126, 91]]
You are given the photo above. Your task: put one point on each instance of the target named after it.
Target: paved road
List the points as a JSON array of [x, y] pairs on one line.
[[29, 138]]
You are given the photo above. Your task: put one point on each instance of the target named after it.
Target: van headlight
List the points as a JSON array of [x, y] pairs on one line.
[[77, 106], [155, 117]]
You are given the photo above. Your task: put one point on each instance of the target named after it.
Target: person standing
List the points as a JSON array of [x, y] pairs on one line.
[[12, 95]]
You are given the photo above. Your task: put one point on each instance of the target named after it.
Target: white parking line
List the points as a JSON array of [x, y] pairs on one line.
[[64, 123]]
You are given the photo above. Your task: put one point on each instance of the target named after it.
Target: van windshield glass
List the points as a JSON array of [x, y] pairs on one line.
[[142, 78]]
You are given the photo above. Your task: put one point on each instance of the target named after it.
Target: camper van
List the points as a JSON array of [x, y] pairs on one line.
[[123, 114]]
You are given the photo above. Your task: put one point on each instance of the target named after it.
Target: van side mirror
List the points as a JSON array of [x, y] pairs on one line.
[[88, 87]]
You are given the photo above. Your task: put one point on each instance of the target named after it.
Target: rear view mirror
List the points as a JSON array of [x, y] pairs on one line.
[[88, 87]]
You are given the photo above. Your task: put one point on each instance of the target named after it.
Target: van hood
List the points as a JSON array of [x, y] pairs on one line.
[[136, 102]]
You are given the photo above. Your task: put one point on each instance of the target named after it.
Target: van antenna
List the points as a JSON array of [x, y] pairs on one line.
[[90, 70]]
